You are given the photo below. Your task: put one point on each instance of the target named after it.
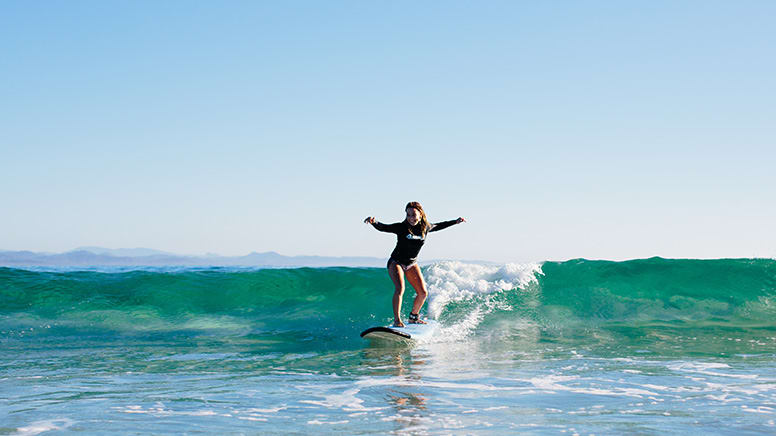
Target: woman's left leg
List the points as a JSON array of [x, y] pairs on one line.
[[415, 277]]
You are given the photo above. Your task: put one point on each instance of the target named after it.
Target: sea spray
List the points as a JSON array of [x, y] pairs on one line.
[[463, 294]]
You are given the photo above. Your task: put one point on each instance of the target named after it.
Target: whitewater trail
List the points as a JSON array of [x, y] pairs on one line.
[[453, 281]]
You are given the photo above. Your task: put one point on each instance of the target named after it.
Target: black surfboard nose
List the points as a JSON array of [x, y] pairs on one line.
[[384, 330]]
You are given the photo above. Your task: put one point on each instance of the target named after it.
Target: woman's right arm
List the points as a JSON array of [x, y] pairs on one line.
[[379, 226]]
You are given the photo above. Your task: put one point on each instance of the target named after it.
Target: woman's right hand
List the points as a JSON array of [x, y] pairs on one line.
[[370, 220]]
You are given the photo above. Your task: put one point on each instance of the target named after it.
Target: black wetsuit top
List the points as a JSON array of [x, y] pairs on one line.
[[409, 239]]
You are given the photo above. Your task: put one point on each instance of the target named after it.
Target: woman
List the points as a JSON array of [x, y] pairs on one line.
[[410, 236]]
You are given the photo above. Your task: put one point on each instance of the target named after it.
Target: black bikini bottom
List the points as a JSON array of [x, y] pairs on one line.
[[403, 266]]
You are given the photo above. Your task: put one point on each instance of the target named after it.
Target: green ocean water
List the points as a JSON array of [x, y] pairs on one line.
[[648, 346]]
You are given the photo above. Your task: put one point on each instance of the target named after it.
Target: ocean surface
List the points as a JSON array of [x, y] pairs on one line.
[[650, 346]]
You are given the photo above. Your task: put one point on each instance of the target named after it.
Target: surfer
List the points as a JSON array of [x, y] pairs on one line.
[[410, 236]]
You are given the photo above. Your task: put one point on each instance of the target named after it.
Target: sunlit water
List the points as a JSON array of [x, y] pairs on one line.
[[432, 388], [228, 353]]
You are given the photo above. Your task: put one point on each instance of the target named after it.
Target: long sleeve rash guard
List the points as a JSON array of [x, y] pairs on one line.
[[409, 239]]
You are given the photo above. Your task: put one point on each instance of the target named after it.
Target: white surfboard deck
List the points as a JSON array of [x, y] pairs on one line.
[[409, 334]]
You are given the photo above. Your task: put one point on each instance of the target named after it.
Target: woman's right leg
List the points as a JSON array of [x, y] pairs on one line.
[[397, 275]]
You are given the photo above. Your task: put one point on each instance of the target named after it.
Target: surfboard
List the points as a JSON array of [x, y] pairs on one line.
[[409, 334]]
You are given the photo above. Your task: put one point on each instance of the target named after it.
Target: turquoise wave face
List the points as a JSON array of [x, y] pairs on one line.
[[726, 305], [277, 305], [672, 307], [731, 292]]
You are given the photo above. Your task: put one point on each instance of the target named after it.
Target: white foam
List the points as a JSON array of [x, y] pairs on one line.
[[758, 409], [346, 401], [317, 422], [271, 410], [453, 281], [459, 386], [554, 383], [160, 409], [38, 427], [705, 369], [456, 281], [461, 329]]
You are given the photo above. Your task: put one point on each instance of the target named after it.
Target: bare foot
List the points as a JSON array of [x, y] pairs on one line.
[[398, 323]]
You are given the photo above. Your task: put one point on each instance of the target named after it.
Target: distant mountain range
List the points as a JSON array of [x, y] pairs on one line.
[[98, 256]]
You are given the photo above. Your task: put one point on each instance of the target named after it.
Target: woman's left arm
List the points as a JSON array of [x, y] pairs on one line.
[[445, 224]]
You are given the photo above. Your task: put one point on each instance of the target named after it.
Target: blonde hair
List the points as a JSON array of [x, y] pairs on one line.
[[425, 225]]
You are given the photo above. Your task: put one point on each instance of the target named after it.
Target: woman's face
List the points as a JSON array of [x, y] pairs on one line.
[[413, 216]]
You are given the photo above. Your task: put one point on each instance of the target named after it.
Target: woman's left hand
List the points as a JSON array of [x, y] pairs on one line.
[[460, 220]]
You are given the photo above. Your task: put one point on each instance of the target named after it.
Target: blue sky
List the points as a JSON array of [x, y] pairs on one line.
[[558, 129]]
